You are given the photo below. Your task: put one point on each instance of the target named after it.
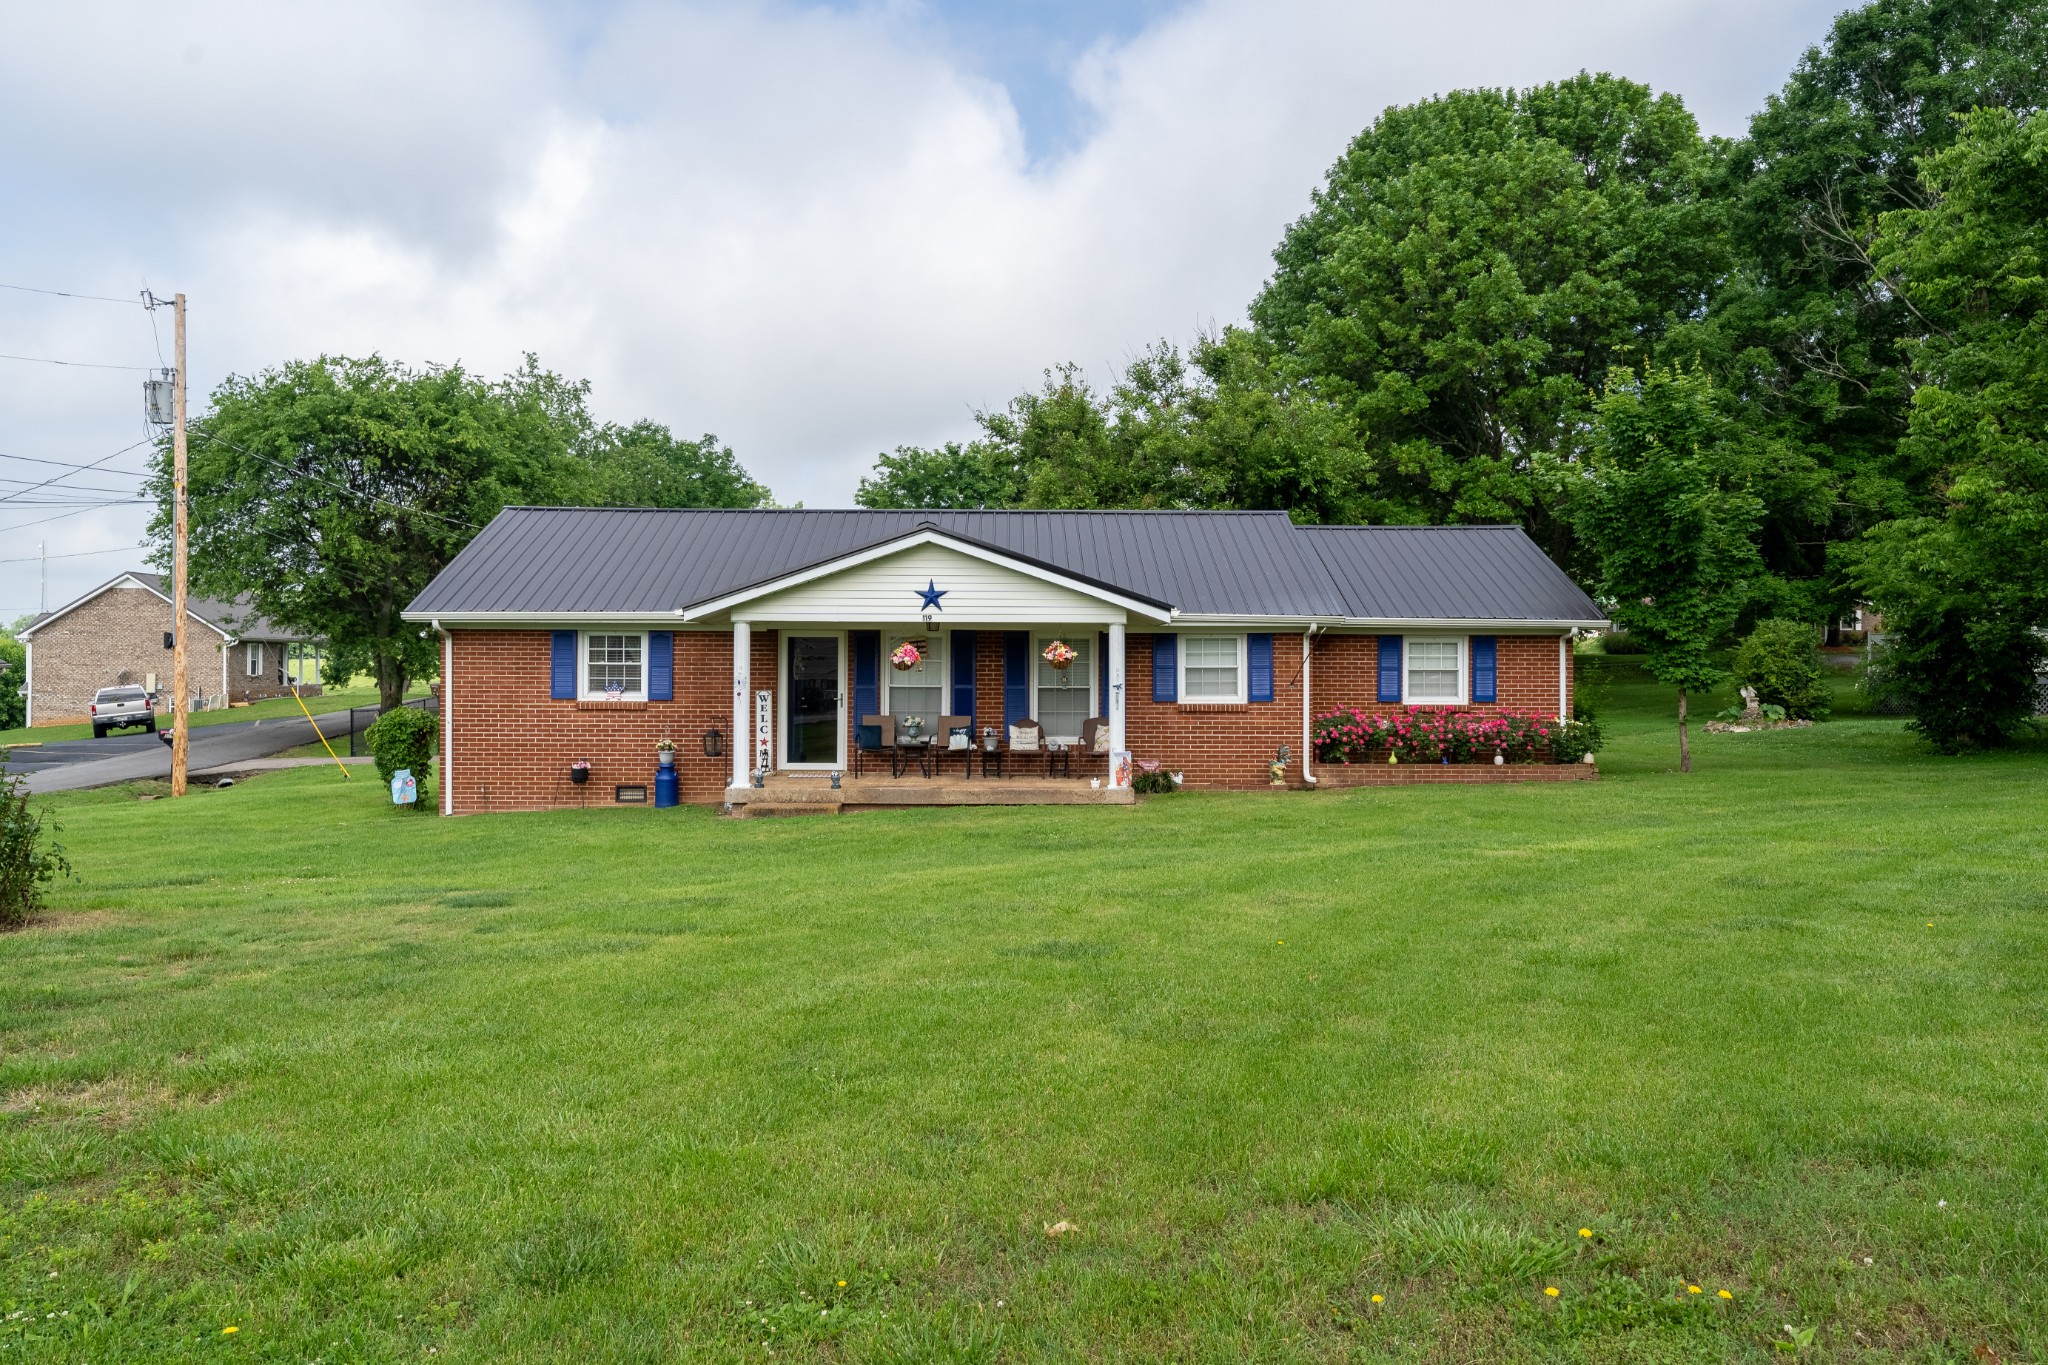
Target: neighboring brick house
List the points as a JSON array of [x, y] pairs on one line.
[[759, 641], [116, 634]]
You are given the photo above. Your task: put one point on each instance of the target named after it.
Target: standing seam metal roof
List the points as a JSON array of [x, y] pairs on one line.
[[572, 560]]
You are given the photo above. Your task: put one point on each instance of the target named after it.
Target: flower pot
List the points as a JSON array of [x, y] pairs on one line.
[[579, 775], [666, 758]]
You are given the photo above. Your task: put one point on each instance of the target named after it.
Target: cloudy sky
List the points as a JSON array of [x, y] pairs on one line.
[[818, 230]]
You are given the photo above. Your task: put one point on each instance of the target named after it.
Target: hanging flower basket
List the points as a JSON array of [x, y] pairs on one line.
[[905, 657], [1059, 654]]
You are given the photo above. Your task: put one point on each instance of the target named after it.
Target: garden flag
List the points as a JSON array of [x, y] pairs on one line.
[[404, 791]]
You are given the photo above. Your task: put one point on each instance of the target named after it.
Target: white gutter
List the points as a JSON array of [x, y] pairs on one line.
[[565, 619], [447, 720]]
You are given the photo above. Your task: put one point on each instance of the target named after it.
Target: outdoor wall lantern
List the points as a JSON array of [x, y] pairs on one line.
[[714, 743]]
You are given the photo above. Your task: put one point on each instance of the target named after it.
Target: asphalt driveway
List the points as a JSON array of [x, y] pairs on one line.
[[74, 764]]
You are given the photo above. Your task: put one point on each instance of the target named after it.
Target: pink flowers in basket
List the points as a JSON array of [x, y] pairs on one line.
[[1059, 654], [1431, 735], [905, 657]]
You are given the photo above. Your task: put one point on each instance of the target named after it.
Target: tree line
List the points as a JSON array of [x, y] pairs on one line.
[[1717, 379]]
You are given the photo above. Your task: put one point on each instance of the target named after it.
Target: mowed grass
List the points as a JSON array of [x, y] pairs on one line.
[[1311, 1077], [332, 699]]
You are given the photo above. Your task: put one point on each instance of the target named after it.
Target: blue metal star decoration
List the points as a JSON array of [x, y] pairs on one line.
[[931, 593]]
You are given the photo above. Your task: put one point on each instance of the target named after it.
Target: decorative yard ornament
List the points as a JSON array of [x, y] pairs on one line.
[[1278, 767], [404, 790]]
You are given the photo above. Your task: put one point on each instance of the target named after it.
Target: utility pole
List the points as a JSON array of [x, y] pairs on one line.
[[180, 710]]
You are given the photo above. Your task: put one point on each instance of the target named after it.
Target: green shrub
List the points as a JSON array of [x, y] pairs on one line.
[[1620, 642], [1969, 682], [1153, 784], [1781, 660], [24, 863], [403, 737], [1577, 737]]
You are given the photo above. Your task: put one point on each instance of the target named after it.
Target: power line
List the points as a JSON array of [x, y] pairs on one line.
[[67, 488], [75, 364], [67, 294], [74, 464], [77, 469], [76, 554], [119, 502]]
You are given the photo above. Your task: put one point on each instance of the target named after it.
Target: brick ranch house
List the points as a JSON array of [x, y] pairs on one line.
[[1205, 640], [117, 635]]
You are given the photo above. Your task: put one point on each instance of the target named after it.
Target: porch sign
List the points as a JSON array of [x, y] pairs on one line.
[[1120, 768], [764, 730]]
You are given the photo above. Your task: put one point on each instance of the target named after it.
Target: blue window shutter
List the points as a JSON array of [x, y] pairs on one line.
[[1016, 676], [1102, 674], [1166, 668], [1258, 650], [661, 665], [562, 667], [1390, 669], [867, 673], [1485, 676], [963, 672]]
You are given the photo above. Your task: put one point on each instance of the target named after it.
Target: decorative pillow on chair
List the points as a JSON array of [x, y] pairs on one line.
[[1102, 739], [1023, 737], [960, 737]]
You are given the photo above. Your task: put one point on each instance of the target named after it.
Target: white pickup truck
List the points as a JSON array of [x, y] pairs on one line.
[[117, 708]]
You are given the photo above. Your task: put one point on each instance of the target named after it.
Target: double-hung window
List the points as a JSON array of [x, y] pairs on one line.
[[1066, 696], [1436, 670], [921, 689], [1212, 668], [614, 667], [256, 660]]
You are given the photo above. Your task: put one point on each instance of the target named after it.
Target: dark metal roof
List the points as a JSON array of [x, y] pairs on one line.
[[1399, 573], [573, 560]]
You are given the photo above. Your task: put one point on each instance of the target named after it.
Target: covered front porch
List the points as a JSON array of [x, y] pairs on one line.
[[929, 673]]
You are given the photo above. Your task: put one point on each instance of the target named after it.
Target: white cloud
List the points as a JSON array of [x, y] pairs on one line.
[[813, 232]]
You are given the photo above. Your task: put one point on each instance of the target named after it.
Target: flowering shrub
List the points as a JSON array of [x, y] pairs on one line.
[[1432, 735], [905, 657]]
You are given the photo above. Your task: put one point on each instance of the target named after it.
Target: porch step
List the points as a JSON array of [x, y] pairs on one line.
[[764, 810], [791, 794]]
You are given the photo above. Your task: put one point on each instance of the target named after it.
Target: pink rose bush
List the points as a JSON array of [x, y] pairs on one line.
[[1431, 735]]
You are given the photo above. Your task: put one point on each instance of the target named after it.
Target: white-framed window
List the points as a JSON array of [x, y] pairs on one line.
[[1063, 699], [1433, 669], [919, 691], [614, 665], [1212, 668], [255, 659]]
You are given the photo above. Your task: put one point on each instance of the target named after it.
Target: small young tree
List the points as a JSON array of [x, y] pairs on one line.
[[25, 864], [1667, 515], [1781, 660]]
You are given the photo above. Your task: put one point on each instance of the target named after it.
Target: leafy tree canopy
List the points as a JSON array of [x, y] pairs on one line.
[[1667, 514], [1807, 332], [330, 491], [13, 676], [1472, 269]]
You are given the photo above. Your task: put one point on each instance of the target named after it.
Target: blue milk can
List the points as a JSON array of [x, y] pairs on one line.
[[665, 790]]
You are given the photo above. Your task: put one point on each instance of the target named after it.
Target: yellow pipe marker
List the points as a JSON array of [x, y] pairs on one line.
[[323, 738]]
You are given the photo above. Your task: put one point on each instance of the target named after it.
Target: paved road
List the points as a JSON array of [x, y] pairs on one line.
[[73, 764]]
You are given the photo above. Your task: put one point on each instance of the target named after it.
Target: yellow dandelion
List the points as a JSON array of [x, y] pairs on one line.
[[1550, 1290], [229, 1331], [1585, 1232], [842, 1284], [1724, 1293], [1692, 1289], [1379, 1298]]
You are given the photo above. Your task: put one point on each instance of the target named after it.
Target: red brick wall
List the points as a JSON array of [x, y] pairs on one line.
[[1347, 673], [513, 744]]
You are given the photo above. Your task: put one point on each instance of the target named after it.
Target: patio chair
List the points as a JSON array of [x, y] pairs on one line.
[[944, 743], [1027, 739], [874, 735], [1095, 743]]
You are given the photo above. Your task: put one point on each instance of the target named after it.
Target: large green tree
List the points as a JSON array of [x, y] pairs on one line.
[[1809, 332], [1667, 515], [13, 677], [646, 465], [1473, 268], [1964, 587]]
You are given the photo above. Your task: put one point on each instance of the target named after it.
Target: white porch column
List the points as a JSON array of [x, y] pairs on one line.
[[1116, 691], [742, 738]]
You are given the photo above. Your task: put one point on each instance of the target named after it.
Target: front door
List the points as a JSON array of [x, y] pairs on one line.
[[813, 700]]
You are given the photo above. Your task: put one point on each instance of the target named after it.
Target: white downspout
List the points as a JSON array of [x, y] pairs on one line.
[[1308, 779], [28, 666], [1564, 700], [447, 720]]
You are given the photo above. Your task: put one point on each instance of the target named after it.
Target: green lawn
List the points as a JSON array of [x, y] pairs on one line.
[[334, 699], [1314, 1077]]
